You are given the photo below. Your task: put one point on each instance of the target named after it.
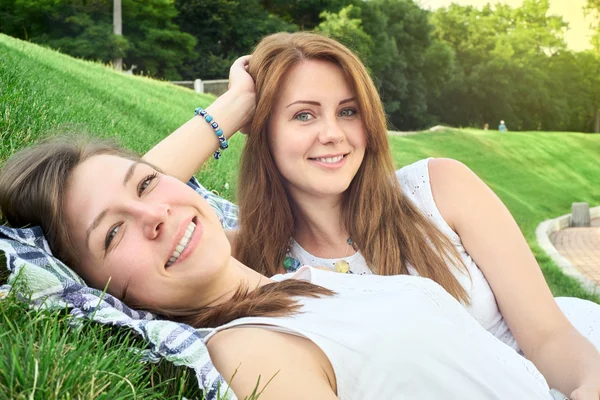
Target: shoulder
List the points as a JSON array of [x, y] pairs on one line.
[[288, 363], [455, 187], [442, 170]]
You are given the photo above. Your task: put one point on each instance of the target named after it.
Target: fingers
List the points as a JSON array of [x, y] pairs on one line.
[[238, 70], [242, 61]]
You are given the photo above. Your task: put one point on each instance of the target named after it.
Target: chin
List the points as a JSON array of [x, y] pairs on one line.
[[333, 188]]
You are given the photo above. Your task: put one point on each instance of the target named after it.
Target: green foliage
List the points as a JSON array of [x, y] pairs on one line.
[[151, 41], [225, 30], [399, 62], [511, 64], [459, 65], [346, 27], [592, 9], [305, 13]]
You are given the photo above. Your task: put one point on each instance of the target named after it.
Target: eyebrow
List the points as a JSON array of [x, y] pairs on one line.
[[101, 216], [316, 103]]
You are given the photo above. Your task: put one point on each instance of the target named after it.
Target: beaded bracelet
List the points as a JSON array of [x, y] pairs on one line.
[[223, 144]]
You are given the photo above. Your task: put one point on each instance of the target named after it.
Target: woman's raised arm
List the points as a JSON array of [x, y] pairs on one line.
[[183, 152]]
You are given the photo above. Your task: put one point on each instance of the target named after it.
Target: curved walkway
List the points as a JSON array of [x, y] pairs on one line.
[[581, 246], [576, 251]]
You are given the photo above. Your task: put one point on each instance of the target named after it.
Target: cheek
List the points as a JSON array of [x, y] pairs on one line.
[[358, 135], [126, 268], [287, 141]]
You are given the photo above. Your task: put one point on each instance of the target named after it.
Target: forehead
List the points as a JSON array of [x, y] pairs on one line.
[[99, 170], [315, 77], [93, 185]]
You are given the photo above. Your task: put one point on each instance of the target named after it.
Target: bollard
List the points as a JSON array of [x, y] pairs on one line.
[[580, 215], [199, 85]]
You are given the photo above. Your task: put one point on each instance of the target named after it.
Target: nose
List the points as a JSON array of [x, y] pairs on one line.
[[331, 131], [151, 217]]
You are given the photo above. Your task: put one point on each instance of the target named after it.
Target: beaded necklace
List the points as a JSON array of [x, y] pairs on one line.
[[291, 264]]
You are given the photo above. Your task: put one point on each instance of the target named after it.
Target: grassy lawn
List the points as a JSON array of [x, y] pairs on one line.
[[538, 175]]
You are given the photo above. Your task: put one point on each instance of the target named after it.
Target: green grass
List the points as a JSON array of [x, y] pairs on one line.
[[538, 176], [43, 357]]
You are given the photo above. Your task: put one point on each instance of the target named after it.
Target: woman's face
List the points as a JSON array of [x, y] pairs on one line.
[[316, 134], [158, 241]]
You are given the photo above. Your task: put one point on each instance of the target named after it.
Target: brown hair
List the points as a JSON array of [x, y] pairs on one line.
[[387, 229], [271, 300], [33, 183], [32, 193]]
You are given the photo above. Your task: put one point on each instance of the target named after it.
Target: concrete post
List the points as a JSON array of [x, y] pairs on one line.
[[580, 216], [199, 86], [118, 30]]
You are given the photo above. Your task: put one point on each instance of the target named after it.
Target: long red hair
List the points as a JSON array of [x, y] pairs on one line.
[[387, 229]]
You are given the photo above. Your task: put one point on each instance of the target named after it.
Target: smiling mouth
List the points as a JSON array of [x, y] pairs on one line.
[[329, 160], [185, 240]]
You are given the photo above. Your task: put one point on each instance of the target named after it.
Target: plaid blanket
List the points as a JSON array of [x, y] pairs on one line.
[[50, 284]]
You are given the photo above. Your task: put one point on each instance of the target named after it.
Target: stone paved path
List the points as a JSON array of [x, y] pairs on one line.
[[581, 246]]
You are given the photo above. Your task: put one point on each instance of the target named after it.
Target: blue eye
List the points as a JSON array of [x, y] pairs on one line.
[[111, 235], [303, 116], [347, 112], [144, 183]]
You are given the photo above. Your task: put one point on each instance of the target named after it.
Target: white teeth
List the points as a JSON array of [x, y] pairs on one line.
[[330, 160], [182, 244]]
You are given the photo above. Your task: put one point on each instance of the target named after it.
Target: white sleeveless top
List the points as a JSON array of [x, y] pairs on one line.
[[401, 337], [414, 181]]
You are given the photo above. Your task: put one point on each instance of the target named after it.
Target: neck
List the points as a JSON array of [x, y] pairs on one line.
[[319, 227], [234, 276]]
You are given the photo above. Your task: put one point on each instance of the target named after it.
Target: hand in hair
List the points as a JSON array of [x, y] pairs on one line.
[[242, 82]]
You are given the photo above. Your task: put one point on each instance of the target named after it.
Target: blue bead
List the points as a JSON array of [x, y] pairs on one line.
[[214, 125], [208, 118], [222, 139], [198, 111], [202, 113], [219, 132], [217, 155], [224, 145]]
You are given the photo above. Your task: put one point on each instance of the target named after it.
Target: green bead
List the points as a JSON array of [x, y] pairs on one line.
[[288, 262]]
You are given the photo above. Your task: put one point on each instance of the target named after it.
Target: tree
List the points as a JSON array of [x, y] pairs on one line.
[[399, 63], [593, 9], [84, 29], [306, 14], [346, 27], [502, 58], [229, 30]]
